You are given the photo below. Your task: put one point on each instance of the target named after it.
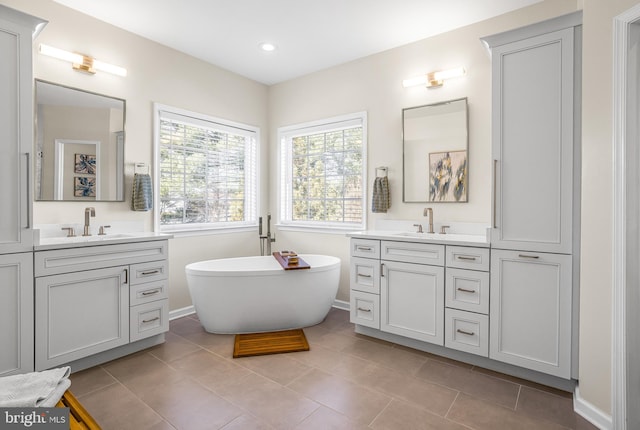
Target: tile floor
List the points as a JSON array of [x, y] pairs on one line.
[[346, 381]]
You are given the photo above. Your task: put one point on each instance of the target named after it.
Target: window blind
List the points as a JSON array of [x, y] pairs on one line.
[[322, 173], [207, 173]]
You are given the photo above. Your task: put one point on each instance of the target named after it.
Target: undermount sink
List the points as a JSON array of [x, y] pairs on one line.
[[80, 239], [441, 237]]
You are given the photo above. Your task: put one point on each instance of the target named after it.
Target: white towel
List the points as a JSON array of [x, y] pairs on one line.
[[35, 389]]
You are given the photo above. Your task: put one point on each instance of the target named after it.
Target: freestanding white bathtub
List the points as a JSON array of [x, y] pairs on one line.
[[254, 294]]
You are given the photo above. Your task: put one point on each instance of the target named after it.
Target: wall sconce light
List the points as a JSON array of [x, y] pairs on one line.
[[81, 62], [434, 79]]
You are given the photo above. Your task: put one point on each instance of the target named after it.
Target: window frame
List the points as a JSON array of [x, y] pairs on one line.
[[191, 229], [284, 136]]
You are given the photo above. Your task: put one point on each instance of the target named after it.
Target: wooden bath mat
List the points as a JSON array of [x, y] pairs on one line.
[[274, 342]]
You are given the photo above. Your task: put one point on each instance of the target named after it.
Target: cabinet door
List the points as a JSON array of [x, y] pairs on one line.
[[532, 132], [16, 137], [412, 301], [16, 313], [80, 314], [530, 311]]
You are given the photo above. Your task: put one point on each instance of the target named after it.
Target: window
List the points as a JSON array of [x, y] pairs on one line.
[[322, 173], [207, 172]]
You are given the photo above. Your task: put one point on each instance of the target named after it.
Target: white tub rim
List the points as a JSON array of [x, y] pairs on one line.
[[207, 268]]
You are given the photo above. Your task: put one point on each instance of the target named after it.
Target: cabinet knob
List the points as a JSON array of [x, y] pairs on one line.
[[468, 333], [364, 310]]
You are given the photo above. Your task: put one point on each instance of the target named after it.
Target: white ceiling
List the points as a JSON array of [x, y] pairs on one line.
[[310, 35]]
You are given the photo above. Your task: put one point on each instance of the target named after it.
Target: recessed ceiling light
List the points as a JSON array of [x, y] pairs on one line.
[[268, 47]]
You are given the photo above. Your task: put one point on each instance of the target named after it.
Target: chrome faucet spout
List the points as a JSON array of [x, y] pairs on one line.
[[428, 212], [88, 212]]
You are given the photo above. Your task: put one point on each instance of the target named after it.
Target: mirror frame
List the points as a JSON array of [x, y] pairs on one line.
[[425, 177], [118, 174]]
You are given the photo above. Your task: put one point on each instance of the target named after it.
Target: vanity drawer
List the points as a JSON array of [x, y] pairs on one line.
[[365, 309], [147, 272], [53, 262], [467, 331], [465, 257], [410, 252], [365, 275], [366, 248], [148, 319], [148, 292], [467, 290]]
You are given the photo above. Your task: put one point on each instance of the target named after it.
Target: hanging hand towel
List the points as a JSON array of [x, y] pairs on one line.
[[142, 195], [381, 200]]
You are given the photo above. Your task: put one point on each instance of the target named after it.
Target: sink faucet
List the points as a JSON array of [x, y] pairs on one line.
[[428, 212], [419, 228], [88, 212]]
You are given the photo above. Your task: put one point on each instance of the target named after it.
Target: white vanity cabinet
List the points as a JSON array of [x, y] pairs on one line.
[[149, 299], [92, 299], [467, 299], [364, 274], [16, 313], [80, 314], [412, 290], [16, 235], [398, 287], [531, 310]]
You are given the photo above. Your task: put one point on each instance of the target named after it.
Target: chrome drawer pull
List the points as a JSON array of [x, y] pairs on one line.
[[364, 310], [466, 291], [469, 333], [462, 257], [364, 276], [151, 272], [150, 293], [528, 256], [151, 320], [364, 248]]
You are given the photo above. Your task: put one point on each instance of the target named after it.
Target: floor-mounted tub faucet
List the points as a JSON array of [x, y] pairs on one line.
[[428, 212], [88, 212], [268, 238]]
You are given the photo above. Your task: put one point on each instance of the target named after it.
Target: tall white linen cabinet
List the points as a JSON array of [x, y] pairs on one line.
[[17, 31], [536, 187]]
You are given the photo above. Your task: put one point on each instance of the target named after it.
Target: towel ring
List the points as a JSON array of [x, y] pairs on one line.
[[384, 170]]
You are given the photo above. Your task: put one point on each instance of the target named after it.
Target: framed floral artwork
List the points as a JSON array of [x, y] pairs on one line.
[[85, 163], [448, 176], [84, 186]]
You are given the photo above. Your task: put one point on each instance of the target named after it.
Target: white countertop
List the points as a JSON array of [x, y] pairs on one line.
[[48, 243], [476, 240]]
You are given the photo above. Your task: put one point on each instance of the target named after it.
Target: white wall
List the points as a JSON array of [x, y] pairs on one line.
[[155, 74], [597, 200]]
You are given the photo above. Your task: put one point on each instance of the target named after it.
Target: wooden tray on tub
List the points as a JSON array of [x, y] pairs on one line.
[[290, 261]]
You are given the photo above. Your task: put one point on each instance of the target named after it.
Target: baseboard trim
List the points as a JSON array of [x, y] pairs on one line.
[[182, 312], [590, 412], [341, 304]]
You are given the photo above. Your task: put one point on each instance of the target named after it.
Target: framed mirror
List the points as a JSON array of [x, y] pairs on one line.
[[79, 145], [435, 152]]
